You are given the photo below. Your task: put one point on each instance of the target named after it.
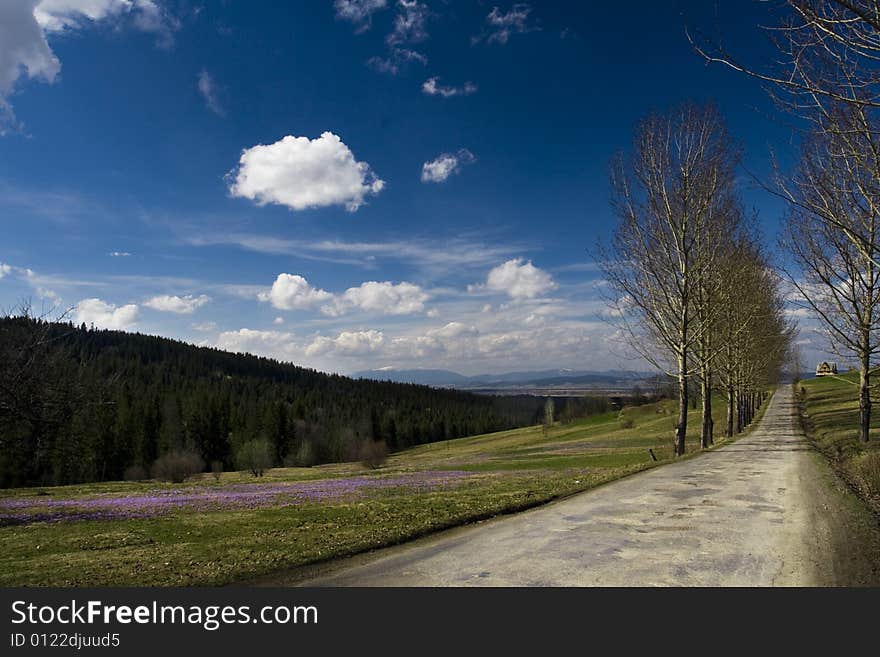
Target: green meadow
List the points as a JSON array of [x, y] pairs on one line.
[[830, 412], [214, 531]]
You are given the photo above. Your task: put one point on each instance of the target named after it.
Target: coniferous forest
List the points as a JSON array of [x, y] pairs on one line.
[[80, 405]]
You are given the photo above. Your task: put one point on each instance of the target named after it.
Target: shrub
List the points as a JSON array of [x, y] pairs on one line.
[[254, 456], [216, 469], [304, 457], [135, 473], [177, 466], [866, 470], [373, 453]]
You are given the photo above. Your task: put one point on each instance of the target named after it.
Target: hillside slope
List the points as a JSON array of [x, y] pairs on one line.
[[81, 405]]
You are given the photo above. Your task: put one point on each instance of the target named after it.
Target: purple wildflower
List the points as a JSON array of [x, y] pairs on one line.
[[26, 510]]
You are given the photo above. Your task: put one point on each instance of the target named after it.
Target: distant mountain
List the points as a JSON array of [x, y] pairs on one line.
[[443, 378], [539, 378]]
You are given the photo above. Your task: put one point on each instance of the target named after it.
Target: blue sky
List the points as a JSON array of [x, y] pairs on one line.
[[345, 184]]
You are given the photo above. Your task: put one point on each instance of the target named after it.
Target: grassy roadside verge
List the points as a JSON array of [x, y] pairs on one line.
[[208, 532], [829, 415]]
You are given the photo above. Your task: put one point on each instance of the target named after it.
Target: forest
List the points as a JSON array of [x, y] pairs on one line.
[[80, 405]]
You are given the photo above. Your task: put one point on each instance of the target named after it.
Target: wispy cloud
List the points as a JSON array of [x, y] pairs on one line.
[[410, 23], [500, 25], [445, 165], [358, 12], [432, 87], [455, 252], [208, 89], [396, 61], [54, 204]]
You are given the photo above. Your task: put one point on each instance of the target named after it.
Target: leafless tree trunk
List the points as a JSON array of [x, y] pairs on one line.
[[837, 277], [679, 181]]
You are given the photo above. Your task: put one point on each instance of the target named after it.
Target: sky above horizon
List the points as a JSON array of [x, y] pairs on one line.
[[347, 184]]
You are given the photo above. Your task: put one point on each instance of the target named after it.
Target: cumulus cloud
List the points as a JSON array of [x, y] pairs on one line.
[[347, 343], [359, 12], [23, 51], [207, 87], [205, 327], [285, 345], [386, 297], [277, 344], [25, 24], [453, 330], [432, 87], [5, 269], [293, 292], [185, 305], [501, 25], [446, 164], [519, 279], [105, 315], [145, 15], [303, 173]]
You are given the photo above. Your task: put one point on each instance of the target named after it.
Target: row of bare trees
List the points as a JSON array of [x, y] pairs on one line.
[[827, 75], [689, 285]]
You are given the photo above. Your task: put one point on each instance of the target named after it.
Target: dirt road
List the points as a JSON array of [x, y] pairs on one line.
[[764, 511]]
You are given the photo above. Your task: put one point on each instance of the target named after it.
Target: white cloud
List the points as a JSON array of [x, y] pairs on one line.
[[446, 164], [449, 254], [386, 298], [205, 327], [432, 87], [302, 173], [208, 88], [23, 51], [293, 292], [359, 12], [277, 344], [105, 315], [24, 25], [409, 23], [119, 254], [347, 343], [519, 279], [39, 284], [146, 15], [5, 269], [500, 25], [453, 330], [278, 321], [396, 60], [60, 15], [185, 305]]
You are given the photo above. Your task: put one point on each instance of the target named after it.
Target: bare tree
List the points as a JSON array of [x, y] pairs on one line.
[[828, 73], [838, 277], [719, 253], [667, 200]]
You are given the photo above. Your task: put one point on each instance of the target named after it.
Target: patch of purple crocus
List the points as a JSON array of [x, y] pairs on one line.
[[27, 510]]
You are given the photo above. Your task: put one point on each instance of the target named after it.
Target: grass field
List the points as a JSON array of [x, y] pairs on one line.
[[207, 532], [831, 420]]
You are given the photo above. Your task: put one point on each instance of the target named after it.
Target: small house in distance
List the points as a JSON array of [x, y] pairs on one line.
[[826, 369]]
